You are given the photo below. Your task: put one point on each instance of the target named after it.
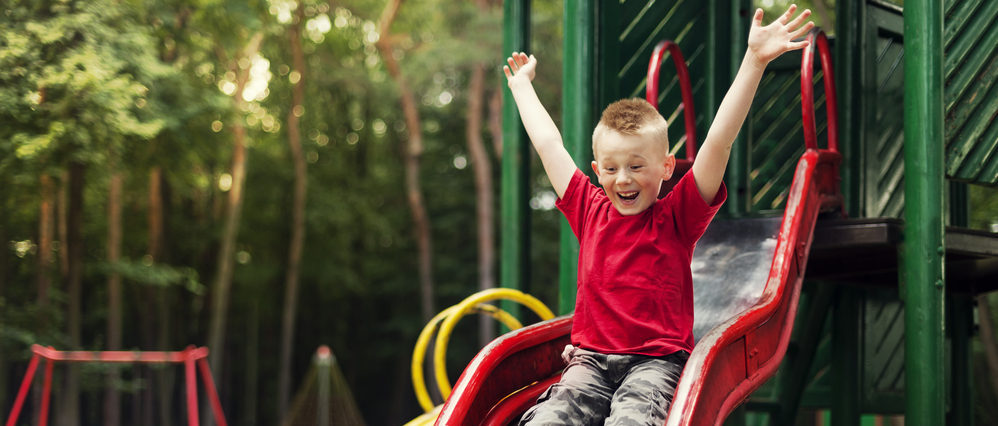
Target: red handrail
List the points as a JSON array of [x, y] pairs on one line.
[[189, 357], [820, 42], [651, 89]]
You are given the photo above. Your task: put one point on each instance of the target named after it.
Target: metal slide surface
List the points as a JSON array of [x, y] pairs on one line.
[[747, 280]]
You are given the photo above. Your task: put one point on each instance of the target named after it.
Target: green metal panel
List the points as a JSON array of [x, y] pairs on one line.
[[883, 351], [775, 137], [630, 29], [971, 94], [883, 133]]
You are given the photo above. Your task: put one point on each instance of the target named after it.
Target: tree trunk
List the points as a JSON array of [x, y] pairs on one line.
[[70, 411], [45, 221], [155, 213], [413, 153], [112, 398], [252, 372], [163, 377], [485, 212], [3, 291], [62, 223], [297, 214], [495, 120], [223, 275]]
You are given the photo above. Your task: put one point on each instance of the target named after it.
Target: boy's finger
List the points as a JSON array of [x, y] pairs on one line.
[[794, 45], [512, 64], [757, 19], [802, 30], [800, 18], [788, 14], [505, 70]]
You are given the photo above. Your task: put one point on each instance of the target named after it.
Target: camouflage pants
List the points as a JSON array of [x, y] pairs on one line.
[[598, 389]]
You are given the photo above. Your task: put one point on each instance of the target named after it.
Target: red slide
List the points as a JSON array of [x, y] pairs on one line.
[[747, 276]]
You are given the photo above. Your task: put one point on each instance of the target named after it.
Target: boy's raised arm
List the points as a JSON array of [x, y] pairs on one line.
[[544, 135], [764, 45]]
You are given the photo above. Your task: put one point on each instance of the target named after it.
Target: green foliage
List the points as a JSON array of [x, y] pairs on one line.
[[75, 80], [160, 275], [983, 207]]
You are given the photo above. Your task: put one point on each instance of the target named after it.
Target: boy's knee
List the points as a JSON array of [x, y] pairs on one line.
[[561, 404]]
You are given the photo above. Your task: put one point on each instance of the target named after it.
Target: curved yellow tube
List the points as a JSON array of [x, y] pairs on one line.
[[466, 305], [419, 353]]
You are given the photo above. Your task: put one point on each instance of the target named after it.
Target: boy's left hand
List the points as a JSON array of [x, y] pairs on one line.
[[769, 42]]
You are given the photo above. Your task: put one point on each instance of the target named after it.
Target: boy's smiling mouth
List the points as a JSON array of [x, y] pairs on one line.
[[628, 196]]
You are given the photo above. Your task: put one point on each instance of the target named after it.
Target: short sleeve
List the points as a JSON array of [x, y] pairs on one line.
[[691, 213], [575, 202]]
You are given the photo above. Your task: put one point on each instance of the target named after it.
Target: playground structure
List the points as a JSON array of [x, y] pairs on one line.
[[872, 310], [192, 358], [747, 275]]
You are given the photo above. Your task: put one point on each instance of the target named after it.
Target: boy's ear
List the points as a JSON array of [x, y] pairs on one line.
[[670, 166], [595, 168]]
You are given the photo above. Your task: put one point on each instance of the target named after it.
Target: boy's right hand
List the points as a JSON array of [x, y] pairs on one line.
[[520, 67]]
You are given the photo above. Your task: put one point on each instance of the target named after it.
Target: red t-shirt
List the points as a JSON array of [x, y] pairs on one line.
[[635, 288]]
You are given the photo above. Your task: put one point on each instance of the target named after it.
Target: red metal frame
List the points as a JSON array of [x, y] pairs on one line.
[[189, 357], [689, 114], [651, 89], [730, 361]]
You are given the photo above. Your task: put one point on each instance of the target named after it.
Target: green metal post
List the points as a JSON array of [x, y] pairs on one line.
[[815, 300], [923, 249], [514, 269], [577, 124], [733, 23], [847, 367], [961, 325], [850, 63]]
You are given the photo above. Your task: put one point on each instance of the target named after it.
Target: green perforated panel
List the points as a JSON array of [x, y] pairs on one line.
[[631, 29], [883, 135], [776, 138], [971, 94]]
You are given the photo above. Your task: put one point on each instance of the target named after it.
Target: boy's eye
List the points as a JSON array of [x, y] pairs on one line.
[[611, 169], [636, 167]]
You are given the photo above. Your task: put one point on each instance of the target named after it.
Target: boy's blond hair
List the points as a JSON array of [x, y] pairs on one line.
[[632, 117]]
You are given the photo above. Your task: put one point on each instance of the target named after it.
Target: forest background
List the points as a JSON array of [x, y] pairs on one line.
[[262, 177]]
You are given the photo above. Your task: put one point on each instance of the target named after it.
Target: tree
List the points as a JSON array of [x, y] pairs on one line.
[[233, 213], [484, 187], [413, 152], [59, 114], [298, 211], [231, 31]]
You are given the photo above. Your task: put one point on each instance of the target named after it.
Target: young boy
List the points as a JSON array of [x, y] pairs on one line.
[[632, 329]]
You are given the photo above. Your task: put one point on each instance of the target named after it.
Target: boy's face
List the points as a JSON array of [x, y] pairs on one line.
[[631, 169]]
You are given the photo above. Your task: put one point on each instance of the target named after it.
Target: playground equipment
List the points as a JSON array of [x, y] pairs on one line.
[[884, 327], [446, 320], [324, 399], [188, 357], [747, 277]]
